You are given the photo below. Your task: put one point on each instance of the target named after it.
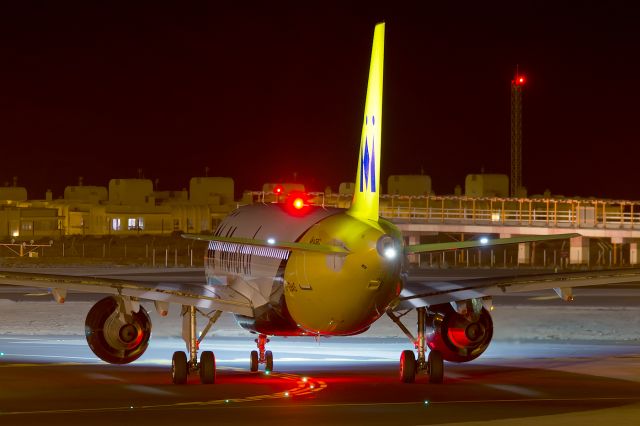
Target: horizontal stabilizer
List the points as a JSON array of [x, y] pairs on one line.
[[318, 248], [425, 248]]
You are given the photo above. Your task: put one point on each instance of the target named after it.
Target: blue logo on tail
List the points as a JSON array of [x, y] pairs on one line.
[[368, 162]]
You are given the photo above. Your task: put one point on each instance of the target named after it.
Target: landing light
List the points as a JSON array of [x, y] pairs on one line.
[[484, 240], [271, 241], [390, 253], [387, 247]]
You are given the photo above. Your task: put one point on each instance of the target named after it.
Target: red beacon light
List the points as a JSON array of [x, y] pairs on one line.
[[278, 189], [520, 80], [296, 203]]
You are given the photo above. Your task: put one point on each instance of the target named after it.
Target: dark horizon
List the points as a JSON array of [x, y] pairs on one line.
[[265, 92]]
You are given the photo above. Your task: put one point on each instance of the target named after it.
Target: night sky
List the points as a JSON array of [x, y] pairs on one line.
[[264, 93]]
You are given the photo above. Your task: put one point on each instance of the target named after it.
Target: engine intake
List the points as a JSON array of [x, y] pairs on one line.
[[461, 338], [113, 338]]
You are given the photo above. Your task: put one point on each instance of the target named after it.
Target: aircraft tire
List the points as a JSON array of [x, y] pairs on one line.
[[253, 364], [407, 367], [179, 368], [207, 368], [436, 367], [268, 356]]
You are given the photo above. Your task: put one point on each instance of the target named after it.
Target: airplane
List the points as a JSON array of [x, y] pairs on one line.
[[295, 269]]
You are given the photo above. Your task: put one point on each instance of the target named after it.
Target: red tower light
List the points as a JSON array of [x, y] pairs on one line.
[[519, 80], [278, 189]]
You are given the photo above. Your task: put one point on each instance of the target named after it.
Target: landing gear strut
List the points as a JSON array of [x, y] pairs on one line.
[[180, 366], [410, 366], [261, 356]]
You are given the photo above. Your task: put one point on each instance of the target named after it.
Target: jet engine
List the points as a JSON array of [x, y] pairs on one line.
[[115, 335], [458, 337]]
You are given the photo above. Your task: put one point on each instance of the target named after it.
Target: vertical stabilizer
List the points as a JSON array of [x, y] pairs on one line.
[[366, 197]]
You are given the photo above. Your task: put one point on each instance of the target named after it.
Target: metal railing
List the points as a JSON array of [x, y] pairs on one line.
[[547, 212]]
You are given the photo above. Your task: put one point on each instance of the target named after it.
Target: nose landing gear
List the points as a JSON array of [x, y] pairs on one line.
[[433, 365], [180, 367], [261, 356]]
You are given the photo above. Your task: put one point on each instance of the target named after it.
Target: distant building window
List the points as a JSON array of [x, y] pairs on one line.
[[189, 224], [176, 224], [132, 223], [115, 224], [27, 226], [141, 223]]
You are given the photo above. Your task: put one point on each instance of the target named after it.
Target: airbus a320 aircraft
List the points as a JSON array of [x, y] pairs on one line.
[[292, 269]]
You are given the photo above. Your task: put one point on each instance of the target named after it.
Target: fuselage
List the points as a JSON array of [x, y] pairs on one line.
[[306, 292]]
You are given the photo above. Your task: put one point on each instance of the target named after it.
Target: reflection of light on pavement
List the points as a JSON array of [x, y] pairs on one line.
[[299, 388], [518, 390]]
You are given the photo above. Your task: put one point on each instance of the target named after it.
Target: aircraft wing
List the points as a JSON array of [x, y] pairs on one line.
[[162, 287], [421, 291], [431, 247]]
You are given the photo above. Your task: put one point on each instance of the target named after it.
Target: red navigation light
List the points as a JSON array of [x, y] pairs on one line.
[[278, 189]]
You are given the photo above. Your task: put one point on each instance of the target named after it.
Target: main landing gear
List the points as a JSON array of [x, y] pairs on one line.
[[433, 365], [261, 356], [180, 366]]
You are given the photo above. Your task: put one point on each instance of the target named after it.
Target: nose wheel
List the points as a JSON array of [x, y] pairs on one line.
[[410, 366], [261, 356]]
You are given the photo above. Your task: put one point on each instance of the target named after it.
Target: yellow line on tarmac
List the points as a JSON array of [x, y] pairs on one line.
[[57, 364], [301, 388]]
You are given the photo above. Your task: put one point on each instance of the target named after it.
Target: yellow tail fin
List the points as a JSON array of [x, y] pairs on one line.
[[366, 198]]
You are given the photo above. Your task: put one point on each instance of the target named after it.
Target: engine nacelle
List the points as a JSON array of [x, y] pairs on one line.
[[114, 337], [461, 338]]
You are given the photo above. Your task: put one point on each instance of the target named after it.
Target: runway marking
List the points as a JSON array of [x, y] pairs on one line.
[[302, 388], [484, 401]]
